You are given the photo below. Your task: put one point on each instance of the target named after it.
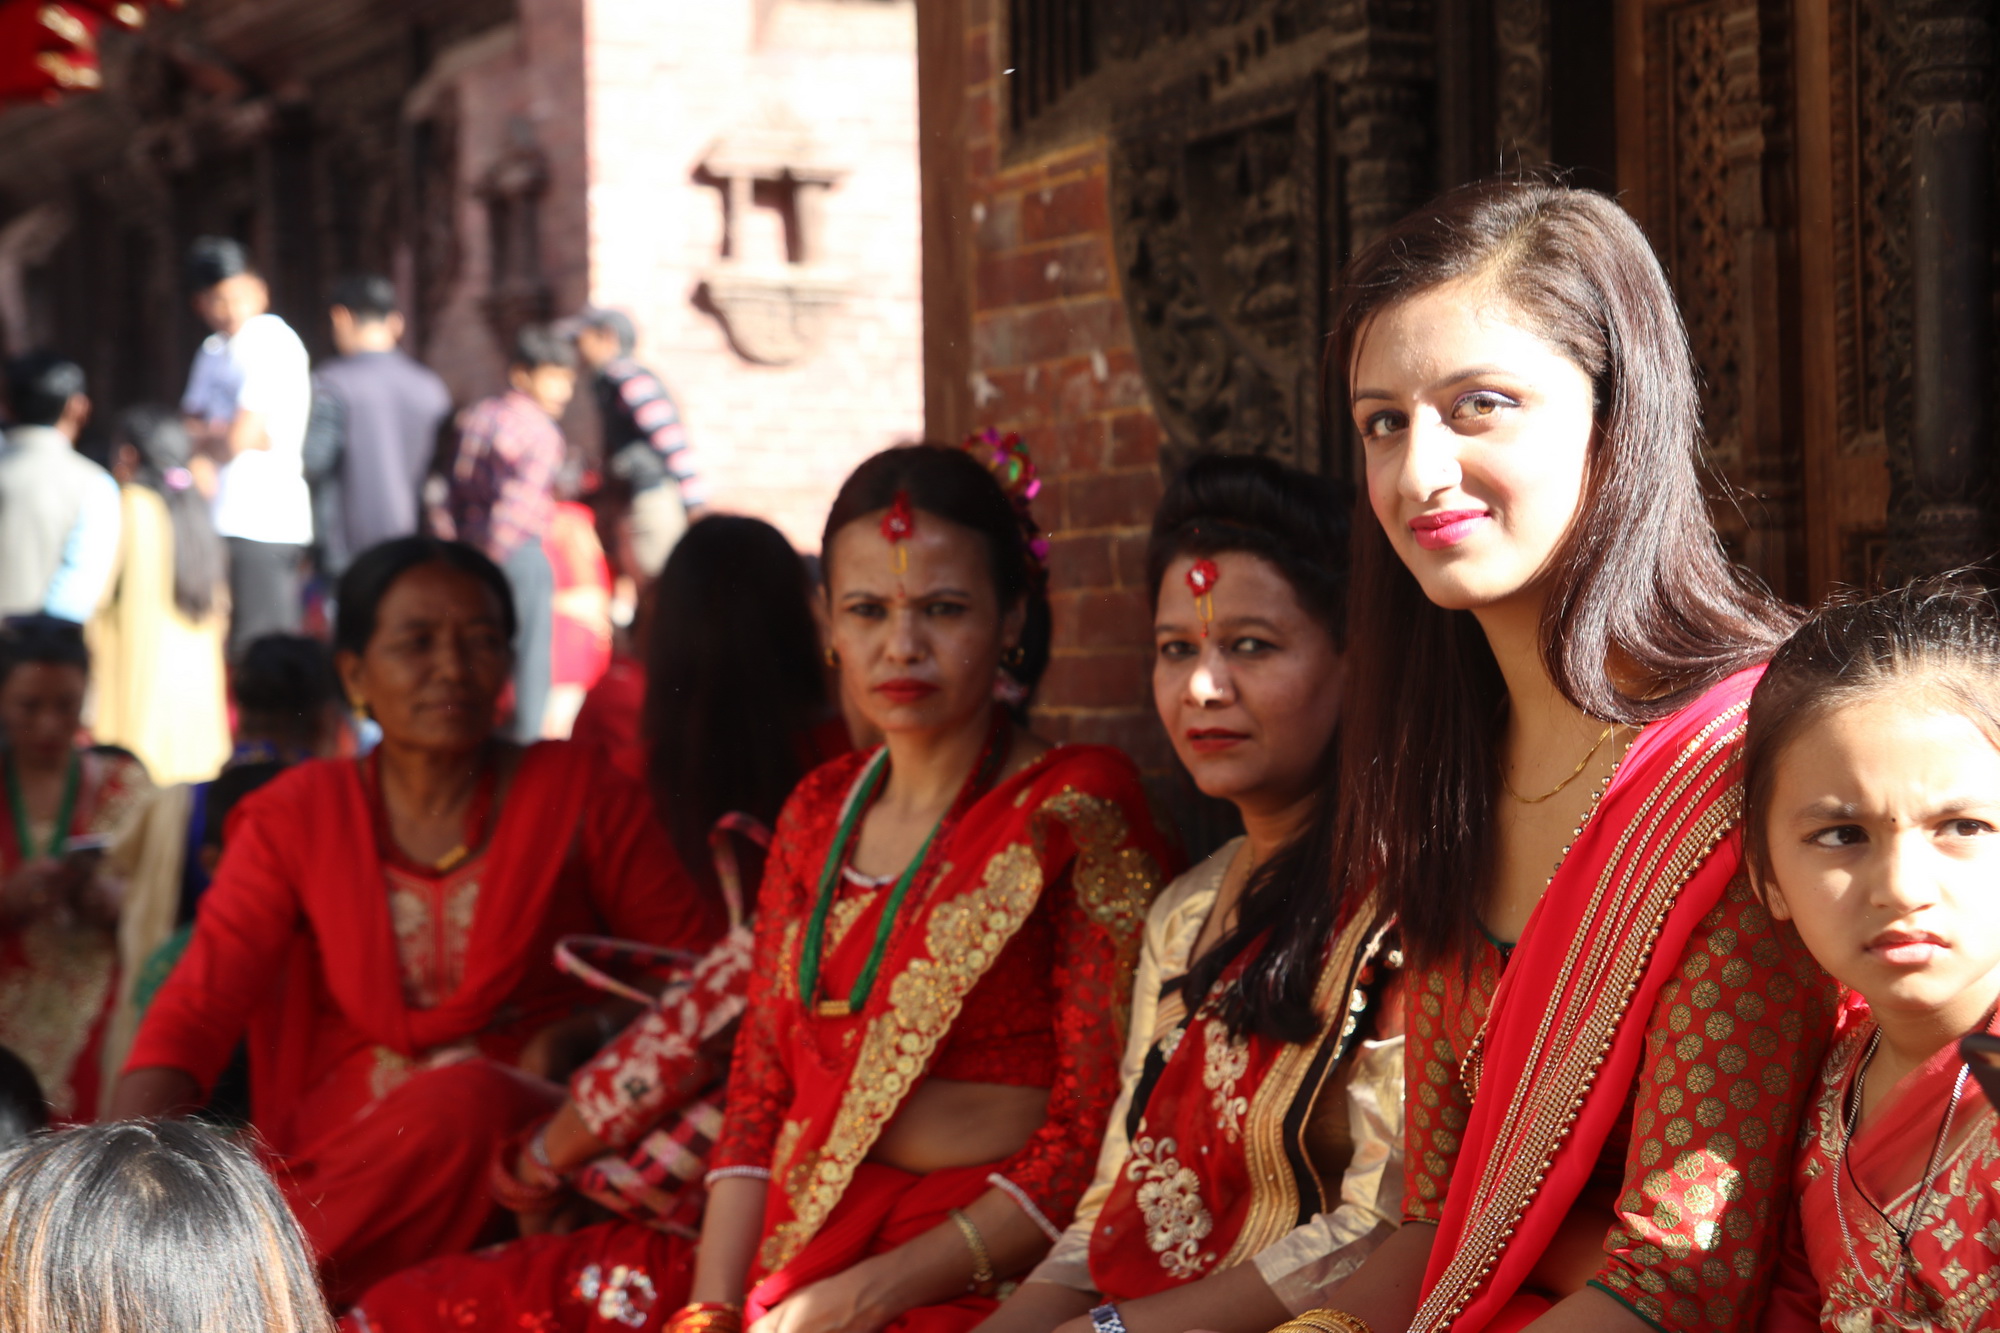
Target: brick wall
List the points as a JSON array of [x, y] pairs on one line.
[[1049, 354]]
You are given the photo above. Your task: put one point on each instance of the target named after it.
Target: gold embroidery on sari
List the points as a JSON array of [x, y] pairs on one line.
[[1169, 1199], [965, 936], [1672, 848], [50, 1006], [1225, 1060], [1274, 1198]]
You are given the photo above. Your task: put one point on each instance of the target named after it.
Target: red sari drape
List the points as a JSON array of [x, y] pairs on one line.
[[1069, 837], [380, 1115], [1652, 1019], [58, 978]]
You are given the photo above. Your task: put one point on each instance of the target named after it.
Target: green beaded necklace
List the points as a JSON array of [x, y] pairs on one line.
[[17, 807], [811, 955]]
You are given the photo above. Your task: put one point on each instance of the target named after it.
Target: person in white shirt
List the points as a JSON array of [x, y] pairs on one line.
[[248, 397], [59, 512]]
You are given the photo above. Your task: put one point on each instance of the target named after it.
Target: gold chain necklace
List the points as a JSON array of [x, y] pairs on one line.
[[1574, 773]]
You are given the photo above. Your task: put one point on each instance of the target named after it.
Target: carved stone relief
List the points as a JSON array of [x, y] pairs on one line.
[[776, 300]]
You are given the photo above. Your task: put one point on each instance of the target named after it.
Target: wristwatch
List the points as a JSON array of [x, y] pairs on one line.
[[1104, 1319]]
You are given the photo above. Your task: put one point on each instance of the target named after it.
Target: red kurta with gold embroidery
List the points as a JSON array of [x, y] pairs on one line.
[[1648, 1046], [1011, 964], [59, 979]]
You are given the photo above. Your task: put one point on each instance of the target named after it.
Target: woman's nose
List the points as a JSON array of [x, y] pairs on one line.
[[1209, 684], [905, 635], [1430, 458]]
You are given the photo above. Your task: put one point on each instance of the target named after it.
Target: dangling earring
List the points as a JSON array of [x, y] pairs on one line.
[[1014, 656], [832, 656], [359, 706]]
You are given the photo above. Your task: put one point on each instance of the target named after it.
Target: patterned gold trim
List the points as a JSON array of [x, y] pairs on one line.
[[965, 936], [1632, 911], [1274, 1194]]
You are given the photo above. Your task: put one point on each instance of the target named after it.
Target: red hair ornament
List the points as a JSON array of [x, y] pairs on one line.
[[1202, 576]]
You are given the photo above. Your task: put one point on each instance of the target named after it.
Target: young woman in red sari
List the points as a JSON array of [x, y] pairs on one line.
[[1255, 1153], [383, 928], [58, 916], [1872, 778], [1548, 668], [945, 943]]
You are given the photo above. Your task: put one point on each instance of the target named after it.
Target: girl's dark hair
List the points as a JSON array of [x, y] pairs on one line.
[[1939, 636], [24, 1109], [43, 641], [1299, 524], [201, 560], [1639, 580], [282, 684], [165, 1226], [368, 580], [733, 680], [953, 485]]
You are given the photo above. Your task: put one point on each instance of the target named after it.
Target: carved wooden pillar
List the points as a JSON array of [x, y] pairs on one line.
[[1521, 120], [1382, 65], [1943, 521]]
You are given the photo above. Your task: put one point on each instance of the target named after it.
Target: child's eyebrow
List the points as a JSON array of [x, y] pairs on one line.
[[1830, 809]]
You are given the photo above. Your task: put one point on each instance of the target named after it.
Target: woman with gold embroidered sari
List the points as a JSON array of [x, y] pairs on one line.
[[1550, 661], [947, 929], [1255, 1153]]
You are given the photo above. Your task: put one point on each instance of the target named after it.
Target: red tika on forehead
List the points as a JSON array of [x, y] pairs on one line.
[[900, 523], [1202, 576]]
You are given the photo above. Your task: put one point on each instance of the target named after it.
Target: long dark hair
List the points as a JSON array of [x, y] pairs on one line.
[[1939, 635], [1640, 577], [201, 560], [165, 1226], [733, 680], [953, 485], [1297, 523]]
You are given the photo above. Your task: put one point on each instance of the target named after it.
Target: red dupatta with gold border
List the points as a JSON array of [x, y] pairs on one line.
[[1567, 1027], [1076, 812]]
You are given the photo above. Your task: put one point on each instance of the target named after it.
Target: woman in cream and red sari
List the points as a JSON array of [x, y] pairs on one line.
[[1255, 1153], [734, 717], [946, 934], [383, 929], [1872, 782], [1548, 668], [58, 914]]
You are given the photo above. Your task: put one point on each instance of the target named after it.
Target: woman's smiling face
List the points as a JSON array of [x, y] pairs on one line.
[[1477, 435]]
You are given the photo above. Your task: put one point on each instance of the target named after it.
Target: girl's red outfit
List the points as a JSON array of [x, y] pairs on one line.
[[1649, 1044], [1846, 1267], [1010, 962], [385, 1003]]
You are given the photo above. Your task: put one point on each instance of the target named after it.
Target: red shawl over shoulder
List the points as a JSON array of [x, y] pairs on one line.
[[295, 939], [1648, 979]]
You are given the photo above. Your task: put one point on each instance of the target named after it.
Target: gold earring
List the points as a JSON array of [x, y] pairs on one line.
[[1014, 656], [832, 656]]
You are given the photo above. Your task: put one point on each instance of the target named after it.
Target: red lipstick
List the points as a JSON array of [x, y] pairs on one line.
[[906, 690], [1438, 532]]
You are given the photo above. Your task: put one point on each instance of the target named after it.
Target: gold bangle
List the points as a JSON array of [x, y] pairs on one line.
[[1324, 1321], [982, 1259]]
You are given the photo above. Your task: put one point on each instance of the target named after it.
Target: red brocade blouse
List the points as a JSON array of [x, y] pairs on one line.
[[1693, 1177], [1048, 1010]]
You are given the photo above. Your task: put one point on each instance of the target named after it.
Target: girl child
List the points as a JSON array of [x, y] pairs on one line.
[[1872, 776]]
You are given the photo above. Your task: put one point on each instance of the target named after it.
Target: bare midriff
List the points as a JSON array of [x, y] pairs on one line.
[[945, 1124]]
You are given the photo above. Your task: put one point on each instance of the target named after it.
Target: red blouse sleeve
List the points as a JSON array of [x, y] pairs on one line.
[[1111, 867], [637, 883], [242, 935], [1734, 1045], [1444, 1007]]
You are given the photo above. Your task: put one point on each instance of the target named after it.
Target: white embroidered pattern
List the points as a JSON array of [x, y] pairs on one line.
[[1169, 1198]]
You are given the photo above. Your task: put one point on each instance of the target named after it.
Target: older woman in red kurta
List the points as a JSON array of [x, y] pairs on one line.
[[383, 928]]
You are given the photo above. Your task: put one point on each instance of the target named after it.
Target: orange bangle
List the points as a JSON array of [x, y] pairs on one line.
[[707, 1317]]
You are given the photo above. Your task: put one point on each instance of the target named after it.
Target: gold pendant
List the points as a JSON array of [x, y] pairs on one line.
[[832, 1009]]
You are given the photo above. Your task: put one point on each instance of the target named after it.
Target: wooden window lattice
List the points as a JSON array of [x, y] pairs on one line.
[[1051, 49]]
